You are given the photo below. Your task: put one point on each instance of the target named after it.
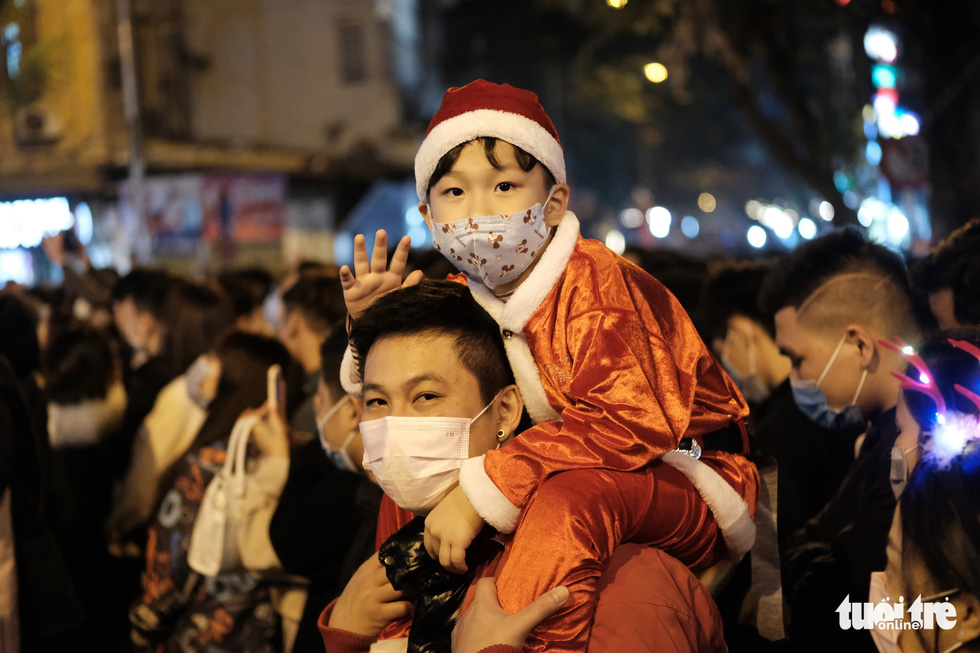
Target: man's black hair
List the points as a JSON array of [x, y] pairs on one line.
[[524, 160], [812, 264], [319, 298], [955, 265], [732, 289], [331, 356], [439, 308], [148, 288]]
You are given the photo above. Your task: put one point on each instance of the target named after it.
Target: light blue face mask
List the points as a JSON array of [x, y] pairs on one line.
[[813, 403]]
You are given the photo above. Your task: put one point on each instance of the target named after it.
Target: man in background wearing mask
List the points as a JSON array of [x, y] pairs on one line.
[[833, 299], [309, 307], [324, 526], [812, 460]]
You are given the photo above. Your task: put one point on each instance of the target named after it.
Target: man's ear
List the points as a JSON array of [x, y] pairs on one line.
[[424, 210], [510, 407], [859, 336], [356, 410], [554, 211]]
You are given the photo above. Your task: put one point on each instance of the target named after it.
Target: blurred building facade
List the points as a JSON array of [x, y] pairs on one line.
[[312, 91]]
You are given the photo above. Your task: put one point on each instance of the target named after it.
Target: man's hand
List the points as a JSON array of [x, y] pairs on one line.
[[485, 623], [368, 602], [449, 530], [374, 278]]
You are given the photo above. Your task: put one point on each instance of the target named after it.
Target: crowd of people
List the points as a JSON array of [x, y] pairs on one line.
[[555, 449]]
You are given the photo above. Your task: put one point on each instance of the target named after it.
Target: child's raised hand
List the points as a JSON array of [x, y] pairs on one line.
[[449, 530], [373, 278]]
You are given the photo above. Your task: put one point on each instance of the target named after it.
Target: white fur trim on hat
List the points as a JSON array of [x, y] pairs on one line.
[[511, 127], [728, 507], [486, 498]]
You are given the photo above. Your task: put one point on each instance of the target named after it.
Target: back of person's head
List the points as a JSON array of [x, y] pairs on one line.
[[246, 289], [331, 356], [732, 289], [19, 343], [839, 279], [245, 359], [955, 266], [318, 298], [147, 288], [78, 365], [438, 308], [197, 314]]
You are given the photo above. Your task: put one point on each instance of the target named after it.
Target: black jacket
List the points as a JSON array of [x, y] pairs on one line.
[[323, 529], [833, 555]]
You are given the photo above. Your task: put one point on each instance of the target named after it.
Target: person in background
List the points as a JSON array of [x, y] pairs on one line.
[[950, 276], [812, 460], [935, 535], [834, 299], [325, 524], [86, 403], [199, 314], [310, 307], [139, 303], [179, 609], [46, 607], [247, 289]]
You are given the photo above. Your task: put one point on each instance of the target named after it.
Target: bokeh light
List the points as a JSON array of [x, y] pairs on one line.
[[707, 202], [655, 72], [756, 236]]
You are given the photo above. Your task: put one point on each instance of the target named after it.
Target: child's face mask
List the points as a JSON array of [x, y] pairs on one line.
[[494, 249]]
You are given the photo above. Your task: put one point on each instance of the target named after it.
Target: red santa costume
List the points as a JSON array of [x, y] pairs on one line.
[[614, 376]]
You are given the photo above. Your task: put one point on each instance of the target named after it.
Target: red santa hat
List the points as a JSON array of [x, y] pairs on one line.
[[482, 109]]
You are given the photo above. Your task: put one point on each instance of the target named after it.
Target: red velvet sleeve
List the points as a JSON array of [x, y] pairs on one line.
[[336, 640]]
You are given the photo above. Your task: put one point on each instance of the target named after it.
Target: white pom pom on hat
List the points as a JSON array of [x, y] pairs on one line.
[[484, 109]]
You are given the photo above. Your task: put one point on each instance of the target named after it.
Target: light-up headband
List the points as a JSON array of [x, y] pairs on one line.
[[954, 430]]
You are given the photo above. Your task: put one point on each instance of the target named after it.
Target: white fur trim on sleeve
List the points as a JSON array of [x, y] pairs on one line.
[[485, 498], [349, 379], [511, 127], [728, 508]]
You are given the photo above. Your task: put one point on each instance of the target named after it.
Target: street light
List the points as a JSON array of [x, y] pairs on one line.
[[655, 72], [617, 4]]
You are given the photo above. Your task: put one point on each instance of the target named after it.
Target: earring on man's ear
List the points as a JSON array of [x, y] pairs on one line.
[[501, 435]]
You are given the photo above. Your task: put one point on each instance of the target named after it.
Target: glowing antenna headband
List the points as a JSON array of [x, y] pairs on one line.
[[955, 431]]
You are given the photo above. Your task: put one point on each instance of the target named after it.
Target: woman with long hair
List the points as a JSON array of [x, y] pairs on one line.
[[181, 610]]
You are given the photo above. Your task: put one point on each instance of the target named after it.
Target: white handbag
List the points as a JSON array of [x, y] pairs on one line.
[[214, 546]]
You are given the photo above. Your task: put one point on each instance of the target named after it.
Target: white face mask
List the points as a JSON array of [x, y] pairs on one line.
[[202, 369], [493, 249], [339, 457], [416, 460], [898, 475]]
